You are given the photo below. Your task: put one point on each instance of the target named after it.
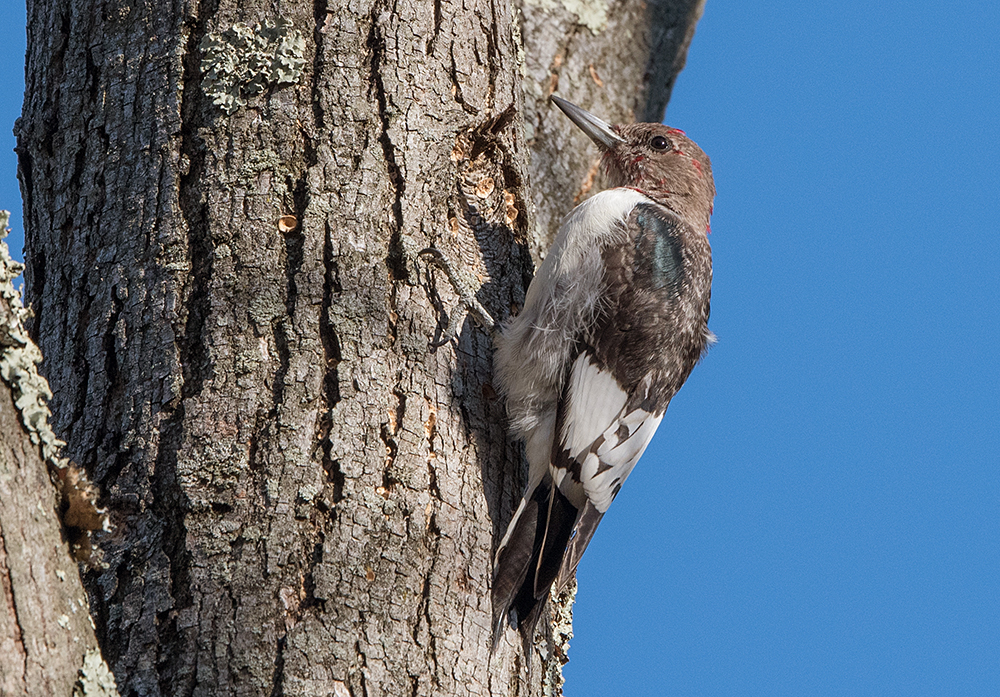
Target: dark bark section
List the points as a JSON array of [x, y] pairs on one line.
[[306, 498]]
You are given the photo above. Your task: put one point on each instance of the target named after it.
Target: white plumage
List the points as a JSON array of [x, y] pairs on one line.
[[534, 347]]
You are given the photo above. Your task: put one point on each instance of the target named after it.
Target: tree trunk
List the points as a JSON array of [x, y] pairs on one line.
[[47, 642], [45, 630], [222, 227]]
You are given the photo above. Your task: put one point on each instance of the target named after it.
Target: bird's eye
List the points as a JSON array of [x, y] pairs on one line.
[[659, 143]]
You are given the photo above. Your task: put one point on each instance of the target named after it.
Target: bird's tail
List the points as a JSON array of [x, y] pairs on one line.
[[530, 558]]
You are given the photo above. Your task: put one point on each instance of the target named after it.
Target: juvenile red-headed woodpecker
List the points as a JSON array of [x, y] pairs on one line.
[[613, 322]]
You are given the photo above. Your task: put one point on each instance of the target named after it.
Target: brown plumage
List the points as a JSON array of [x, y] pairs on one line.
[[612, 325], [678, 176]]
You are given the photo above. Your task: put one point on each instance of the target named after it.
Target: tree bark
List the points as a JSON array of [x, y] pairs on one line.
[[47, 641], [45, 629], [227, 288]]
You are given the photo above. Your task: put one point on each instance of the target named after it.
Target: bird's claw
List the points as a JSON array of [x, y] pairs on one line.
[[434, 257]]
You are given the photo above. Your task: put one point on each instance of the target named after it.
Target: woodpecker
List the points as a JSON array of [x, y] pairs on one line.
[[613, 322]]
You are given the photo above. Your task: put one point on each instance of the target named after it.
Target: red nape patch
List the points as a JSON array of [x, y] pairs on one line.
[[697, 166], [708, 228]]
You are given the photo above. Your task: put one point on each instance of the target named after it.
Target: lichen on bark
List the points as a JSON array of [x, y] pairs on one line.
[[47, 643], [19, 361], [242, 61]]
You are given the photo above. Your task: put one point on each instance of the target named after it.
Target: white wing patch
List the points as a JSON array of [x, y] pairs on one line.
[[604, 439], [595, 400], [604, 471]]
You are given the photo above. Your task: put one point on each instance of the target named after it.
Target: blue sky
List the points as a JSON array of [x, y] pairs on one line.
[[820, 511], [12, 16]]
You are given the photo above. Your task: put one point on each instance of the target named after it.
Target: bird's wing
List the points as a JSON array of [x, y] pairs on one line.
[[593, 401], [614, 354], [603, 431]]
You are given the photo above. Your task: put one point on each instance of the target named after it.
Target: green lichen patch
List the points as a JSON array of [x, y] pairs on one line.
[[242, 61], [96, 679], [19, 357], [592, 14]]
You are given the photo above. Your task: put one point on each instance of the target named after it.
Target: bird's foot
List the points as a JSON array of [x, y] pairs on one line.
[[434, 257]]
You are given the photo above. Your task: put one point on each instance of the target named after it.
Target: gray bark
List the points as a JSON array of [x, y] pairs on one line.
[[305, 496]]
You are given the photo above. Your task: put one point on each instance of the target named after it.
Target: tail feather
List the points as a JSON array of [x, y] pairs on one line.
[[531, 558], [580, 537], [559, 524], [513, 561]]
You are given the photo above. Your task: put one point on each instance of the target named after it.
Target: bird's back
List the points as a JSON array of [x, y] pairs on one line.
[[612, 325]]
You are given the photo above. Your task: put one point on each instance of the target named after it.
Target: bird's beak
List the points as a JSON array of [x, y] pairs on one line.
[[599, 131]]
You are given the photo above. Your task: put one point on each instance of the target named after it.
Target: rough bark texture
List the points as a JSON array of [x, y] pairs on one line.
[[306, 497], [47, 642], [39, 583], [44, 623]]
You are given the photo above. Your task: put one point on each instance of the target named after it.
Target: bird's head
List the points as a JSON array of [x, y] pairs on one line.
[[660, 161]]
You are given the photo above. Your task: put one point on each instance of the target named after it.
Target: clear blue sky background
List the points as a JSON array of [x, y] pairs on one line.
[[820, 511], [12, 44]]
